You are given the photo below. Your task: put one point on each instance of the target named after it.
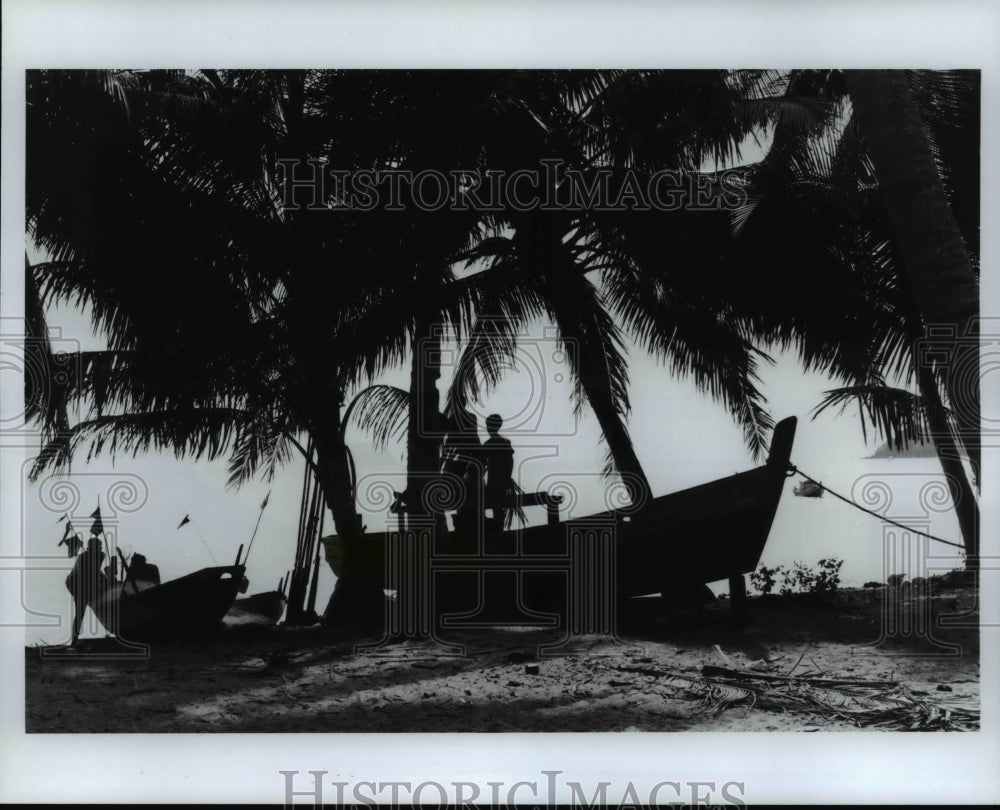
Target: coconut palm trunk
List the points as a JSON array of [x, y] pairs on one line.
[[356, 598], [593, 379], [966, 506], [935, 256], [586, 338], [423, 441]]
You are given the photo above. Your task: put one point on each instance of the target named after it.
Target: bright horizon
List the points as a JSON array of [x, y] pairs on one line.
[[681, 436]]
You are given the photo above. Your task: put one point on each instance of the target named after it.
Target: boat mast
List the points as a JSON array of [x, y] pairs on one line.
[[311, 604], [311, 512]]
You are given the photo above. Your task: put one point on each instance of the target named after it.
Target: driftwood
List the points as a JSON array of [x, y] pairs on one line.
[[708, 669], [867, 704]]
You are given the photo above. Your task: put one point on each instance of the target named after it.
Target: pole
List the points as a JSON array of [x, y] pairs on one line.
[[263, 506], [128, 571], [319, 542]]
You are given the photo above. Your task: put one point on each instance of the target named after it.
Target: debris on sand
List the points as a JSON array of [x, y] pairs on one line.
[[796, 667], [863, 703]]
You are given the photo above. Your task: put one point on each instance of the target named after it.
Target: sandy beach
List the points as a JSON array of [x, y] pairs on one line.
[[802, 663]]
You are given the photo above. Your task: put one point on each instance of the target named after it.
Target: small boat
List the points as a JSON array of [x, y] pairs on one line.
[[260, 608], [808, 489], [680, 541], [185, 606]]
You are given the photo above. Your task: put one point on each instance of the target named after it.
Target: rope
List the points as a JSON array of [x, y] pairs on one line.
[[204, 542], [795, 470]]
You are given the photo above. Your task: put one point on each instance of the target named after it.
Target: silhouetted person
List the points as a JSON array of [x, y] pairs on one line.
[[85, 582], [499, 457], [142, 570]]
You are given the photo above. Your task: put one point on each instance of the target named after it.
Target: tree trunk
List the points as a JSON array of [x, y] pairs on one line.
[[934, 254], [615, 433], [423, 440], [356, 599], [539, 237], [423, 459], [595, 379], [966, 506]]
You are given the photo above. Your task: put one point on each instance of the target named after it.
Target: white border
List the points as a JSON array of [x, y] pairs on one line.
[[777, 768]]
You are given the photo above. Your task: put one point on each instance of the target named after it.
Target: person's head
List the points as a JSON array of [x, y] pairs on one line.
[[94, 545], [138, 559], [493, 423]]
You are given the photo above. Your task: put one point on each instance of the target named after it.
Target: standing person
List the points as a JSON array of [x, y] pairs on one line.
[[85, 582], [499, 455]]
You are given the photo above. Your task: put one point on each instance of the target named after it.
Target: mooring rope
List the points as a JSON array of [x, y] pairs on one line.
[[793, 470]]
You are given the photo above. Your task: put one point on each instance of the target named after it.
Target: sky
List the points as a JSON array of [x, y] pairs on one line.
[[681, 436]]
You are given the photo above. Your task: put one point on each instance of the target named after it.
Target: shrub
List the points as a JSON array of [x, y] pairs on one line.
[[763, 578], [800, 578], [828, 578]]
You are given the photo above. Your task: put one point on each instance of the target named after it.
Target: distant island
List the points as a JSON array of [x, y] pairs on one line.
[[918, 449]]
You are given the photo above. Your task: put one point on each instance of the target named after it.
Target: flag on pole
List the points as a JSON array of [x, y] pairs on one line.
[[187, 519], [98, 525], [72, 542], [73, 545]]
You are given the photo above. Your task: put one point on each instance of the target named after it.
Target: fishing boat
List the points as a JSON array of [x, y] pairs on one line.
[[184, 606], [808, 489], [264, 608], [681, 541], [260, 608]]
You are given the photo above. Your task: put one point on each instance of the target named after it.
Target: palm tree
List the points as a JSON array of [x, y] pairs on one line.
[[293, 341], [270, 348], [276, 123], [935, 256], [238, 351], [818, 231]]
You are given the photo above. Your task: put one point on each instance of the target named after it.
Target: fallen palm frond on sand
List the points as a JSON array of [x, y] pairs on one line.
[[866, 704]]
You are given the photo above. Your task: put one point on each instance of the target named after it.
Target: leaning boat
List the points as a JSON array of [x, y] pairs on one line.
[[707, 533], [185, 606]]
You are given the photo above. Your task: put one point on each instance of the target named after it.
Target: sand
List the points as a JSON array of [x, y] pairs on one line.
[[650, 678]]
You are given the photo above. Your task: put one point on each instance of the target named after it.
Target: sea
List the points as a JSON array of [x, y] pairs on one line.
[[682, 438], [910, 491]]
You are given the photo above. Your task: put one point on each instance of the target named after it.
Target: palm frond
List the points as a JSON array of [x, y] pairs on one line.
[[381, 411], [203, 433], [895, 414]]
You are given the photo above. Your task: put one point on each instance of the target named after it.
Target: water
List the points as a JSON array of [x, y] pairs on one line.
[[804, 529], [911, 491], [682, 439]]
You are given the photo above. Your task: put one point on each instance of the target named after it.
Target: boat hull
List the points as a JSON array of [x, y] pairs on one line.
[[704, 534], [259, 608], [185, 606]]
